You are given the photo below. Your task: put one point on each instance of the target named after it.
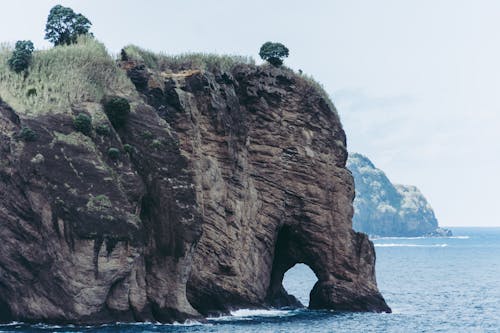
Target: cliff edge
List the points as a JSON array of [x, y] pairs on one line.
[[223, 177]]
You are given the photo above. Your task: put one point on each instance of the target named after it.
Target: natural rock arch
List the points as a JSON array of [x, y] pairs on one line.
[[299, 281], [336, 287], [286, 256]]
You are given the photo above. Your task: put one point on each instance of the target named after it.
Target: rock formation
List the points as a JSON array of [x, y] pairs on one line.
[[230, 178], [384, 209]]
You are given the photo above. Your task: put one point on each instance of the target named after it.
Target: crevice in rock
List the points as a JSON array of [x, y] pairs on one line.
[[110, 245], [97, 249], [5, 313]]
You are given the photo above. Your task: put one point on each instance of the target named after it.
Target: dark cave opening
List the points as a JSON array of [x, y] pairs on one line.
[[5, 313], [289, 261]]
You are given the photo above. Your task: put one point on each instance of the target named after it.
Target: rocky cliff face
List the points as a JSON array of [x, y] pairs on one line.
[[231, 179], [384, 209]]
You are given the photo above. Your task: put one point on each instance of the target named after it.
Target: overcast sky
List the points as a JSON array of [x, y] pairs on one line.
[[416, 83]]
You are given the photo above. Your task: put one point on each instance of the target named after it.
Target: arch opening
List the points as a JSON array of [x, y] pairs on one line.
[[299, 281], [289, 251]]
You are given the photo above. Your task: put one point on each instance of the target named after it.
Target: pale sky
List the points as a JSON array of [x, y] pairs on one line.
[[415, 82]]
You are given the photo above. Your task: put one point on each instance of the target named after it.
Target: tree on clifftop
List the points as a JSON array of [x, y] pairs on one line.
[[64, 25], [273, 53], [21, 57]]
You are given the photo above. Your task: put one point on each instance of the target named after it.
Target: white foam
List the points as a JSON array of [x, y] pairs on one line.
[[409, 245], [188, 323], [13, 323], [375, 238], [259, 313], [249, 314], [420, 237]]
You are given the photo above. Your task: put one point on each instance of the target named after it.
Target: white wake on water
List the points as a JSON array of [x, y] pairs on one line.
[[409, 245], [259, 313], [249, 314], [420, 237]]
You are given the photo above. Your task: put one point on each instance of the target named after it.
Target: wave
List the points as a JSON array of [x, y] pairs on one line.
[[249, 314], [43, 326], [188, 322], [421, 237], [259, 313], [409, 245]]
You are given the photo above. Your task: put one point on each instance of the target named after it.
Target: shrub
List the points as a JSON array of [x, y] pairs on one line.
[[31, 92], [27, 134], [22, 55], [99, 203], [273, 53], [147, 135], [64, 26], [128, 148], [117, 109], [103, 129], [114, 153], [156, 144], [83, 123]]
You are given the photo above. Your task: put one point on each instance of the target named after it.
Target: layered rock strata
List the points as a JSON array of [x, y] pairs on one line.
[[231, 178]]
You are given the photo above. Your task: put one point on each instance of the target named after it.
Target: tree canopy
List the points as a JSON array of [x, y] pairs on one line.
[[64, 26], [21, 56], [273, 53]]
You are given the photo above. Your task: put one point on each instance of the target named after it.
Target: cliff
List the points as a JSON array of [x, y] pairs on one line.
[[224, 176], [384, 209]]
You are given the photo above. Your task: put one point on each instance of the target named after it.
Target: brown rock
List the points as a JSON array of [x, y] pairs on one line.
[[233, 179]]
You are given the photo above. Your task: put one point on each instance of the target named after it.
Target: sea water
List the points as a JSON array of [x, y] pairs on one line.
[[432, 285]]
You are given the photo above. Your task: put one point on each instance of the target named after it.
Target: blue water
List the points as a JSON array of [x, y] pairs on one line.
[[432, 285]]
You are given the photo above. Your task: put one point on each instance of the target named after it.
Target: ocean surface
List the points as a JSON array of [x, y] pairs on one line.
[[431, 284]]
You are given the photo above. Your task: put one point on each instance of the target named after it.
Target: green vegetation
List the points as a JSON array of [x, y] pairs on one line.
[[156, 144], [310, 82], [201, 61], [128, 148], [31, 92], [27, 134], [99, 203], [64, 26], [63, 76], [114, 153], [273, 53], [117, 108], [103, 129], [83, 123], [22, 55], [76, 139], [78, 71], [147, 135]]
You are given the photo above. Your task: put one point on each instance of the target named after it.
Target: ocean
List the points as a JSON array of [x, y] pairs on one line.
[[432, 285]]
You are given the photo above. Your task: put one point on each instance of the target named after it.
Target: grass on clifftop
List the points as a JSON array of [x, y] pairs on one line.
[[62, 76], [203, 61], [311, 82], [211, 62]]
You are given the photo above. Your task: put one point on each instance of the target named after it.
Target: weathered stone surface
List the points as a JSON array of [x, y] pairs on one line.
[[233, 179]]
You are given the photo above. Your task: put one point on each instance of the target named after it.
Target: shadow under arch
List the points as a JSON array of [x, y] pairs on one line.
[[288, 253]]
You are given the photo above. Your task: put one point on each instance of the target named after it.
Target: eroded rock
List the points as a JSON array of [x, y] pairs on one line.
[[230, 179]]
